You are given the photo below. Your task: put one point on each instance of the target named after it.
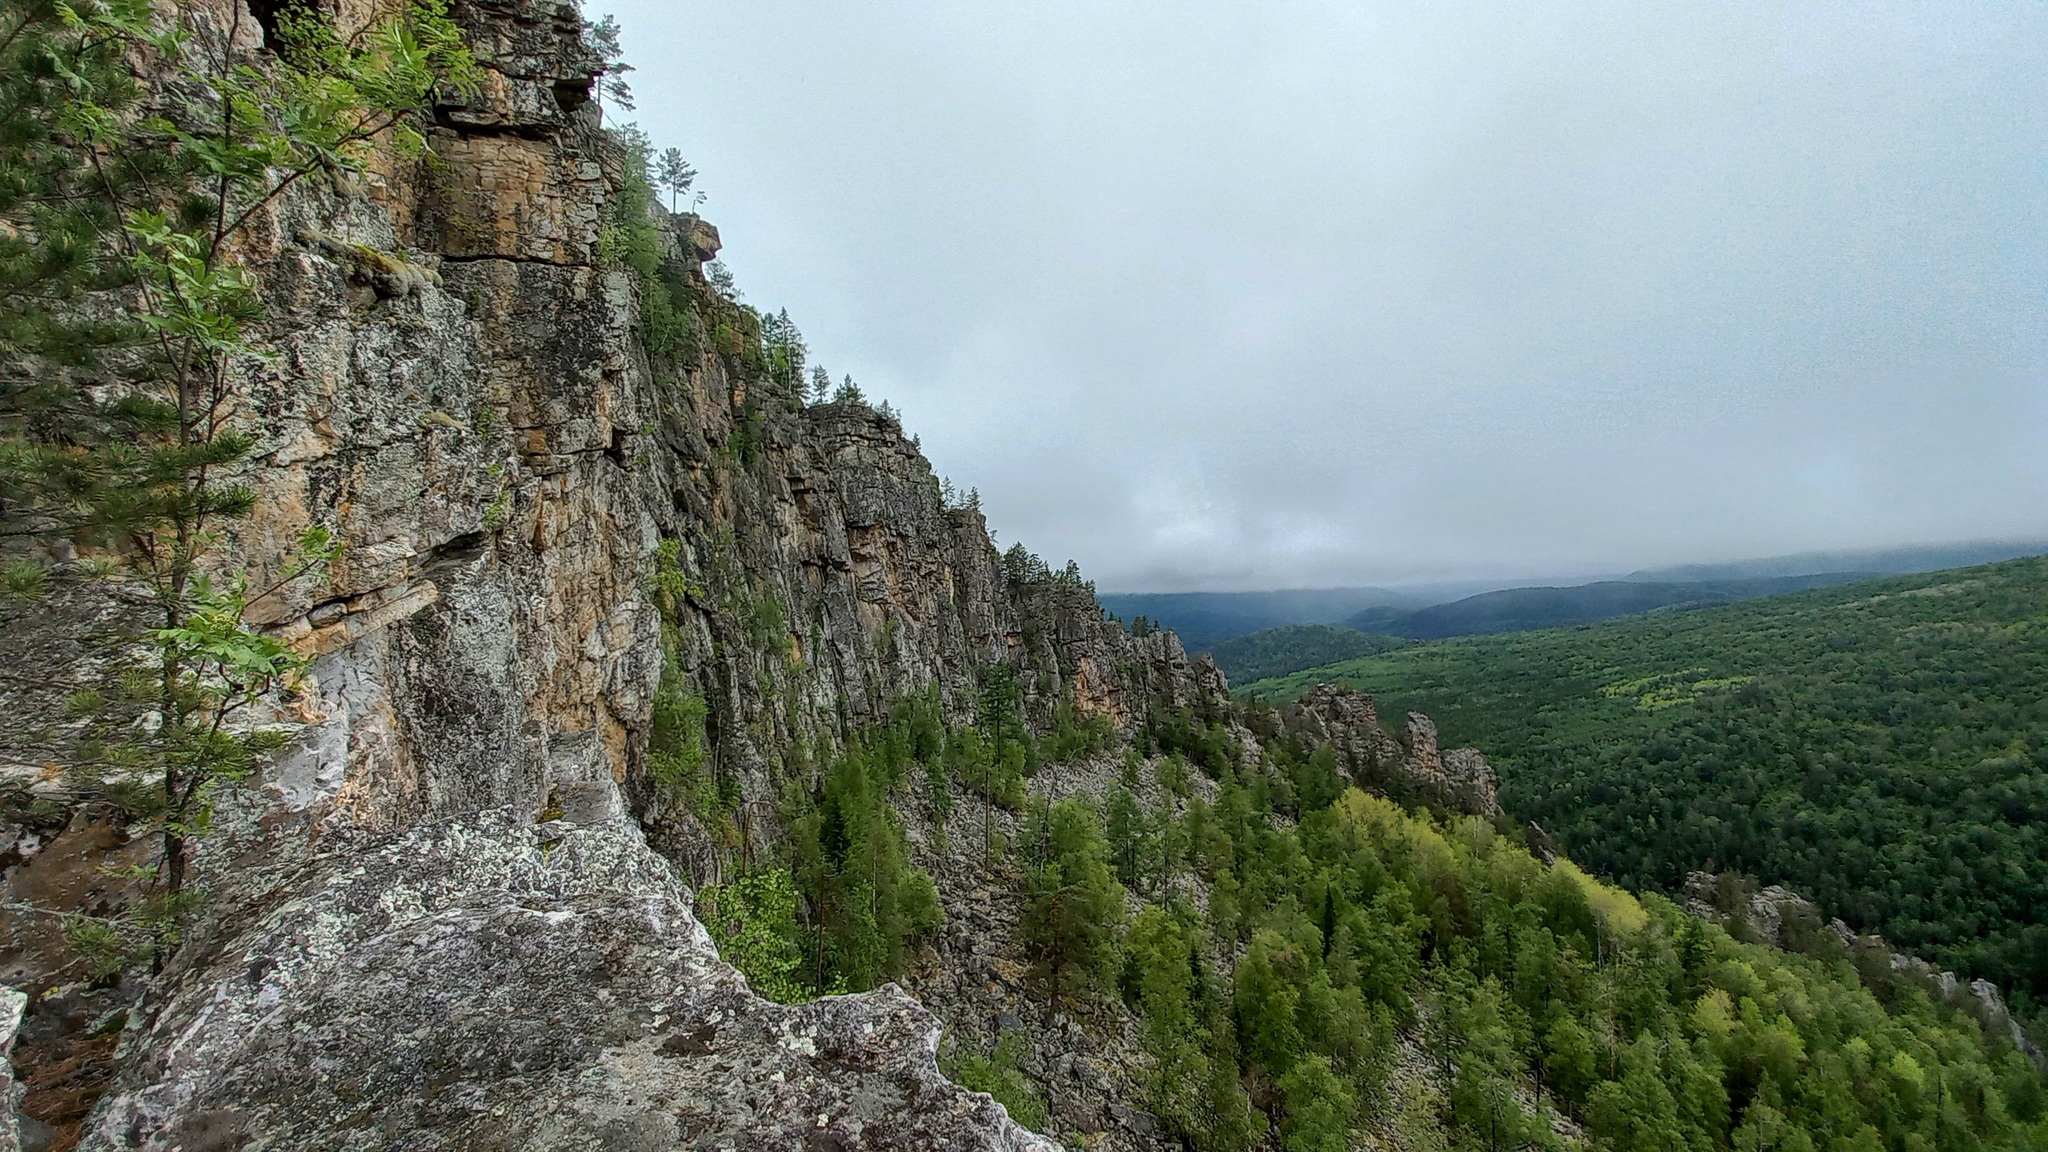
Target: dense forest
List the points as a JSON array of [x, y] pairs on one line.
[[1305, 959], [1278, 651], [1882, 747]]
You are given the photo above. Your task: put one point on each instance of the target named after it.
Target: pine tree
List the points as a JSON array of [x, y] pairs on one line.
[[1074, 907], [1001, 694], [674, 174], [116, 436], [1130, 837]]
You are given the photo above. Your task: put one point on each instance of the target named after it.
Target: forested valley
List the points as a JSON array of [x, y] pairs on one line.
[[1880, 747], [1305, 960]]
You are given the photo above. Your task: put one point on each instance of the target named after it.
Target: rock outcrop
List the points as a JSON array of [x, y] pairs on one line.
[[1412, 766], [485, 983], [12, 1005], [550, 514], [1777, 916]]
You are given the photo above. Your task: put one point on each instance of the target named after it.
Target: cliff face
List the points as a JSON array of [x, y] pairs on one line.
[[437, 922]]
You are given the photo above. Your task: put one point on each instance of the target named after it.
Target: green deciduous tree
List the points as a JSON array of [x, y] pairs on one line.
[[1319, 1107], [754, 921]]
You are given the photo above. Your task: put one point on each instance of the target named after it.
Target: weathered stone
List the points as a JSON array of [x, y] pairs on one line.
[[1347, 721], [12, 1005]]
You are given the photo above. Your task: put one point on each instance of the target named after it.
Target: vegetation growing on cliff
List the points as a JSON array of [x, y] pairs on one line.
[[1877, 746], [1350, 963], [131, 327]]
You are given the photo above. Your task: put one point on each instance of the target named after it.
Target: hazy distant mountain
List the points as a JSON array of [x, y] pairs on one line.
[[1206, 618], [1876, 561], [1521, 609]]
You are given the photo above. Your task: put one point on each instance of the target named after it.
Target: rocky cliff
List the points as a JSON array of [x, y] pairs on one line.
[[1411, 766], [437, 920]]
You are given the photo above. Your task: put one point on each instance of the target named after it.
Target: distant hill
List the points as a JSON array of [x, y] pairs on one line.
[[1876, 561], [1278, 651], [1880, 746], [1204, 619], [1460, 608], [1521, 609]]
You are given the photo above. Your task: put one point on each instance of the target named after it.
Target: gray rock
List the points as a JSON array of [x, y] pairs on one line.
[[400, 952], [1346, 720], [484, 983], [13, 1004]]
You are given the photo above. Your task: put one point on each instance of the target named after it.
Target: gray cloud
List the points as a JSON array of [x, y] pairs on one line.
[[1208, 294]]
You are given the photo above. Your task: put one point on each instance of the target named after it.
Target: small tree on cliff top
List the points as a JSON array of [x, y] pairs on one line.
[[674, 174]]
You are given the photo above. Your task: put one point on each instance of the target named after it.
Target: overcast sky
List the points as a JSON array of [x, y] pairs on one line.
[[1214, 294]]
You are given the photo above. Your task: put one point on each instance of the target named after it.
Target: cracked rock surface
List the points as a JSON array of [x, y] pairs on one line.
[[489, 984]]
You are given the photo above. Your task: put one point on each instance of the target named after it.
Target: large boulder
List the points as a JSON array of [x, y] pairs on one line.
[[489, 984]]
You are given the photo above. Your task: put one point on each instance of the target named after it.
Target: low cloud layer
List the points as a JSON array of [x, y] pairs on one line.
[[1218, 295]]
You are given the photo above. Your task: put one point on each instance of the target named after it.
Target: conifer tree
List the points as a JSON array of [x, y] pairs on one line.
[[120, 437], [1001, 694], [1074, 907], [1130, 837], [674, 174]]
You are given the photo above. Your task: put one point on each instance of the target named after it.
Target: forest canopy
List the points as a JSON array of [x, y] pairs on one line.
[[1881, 747]]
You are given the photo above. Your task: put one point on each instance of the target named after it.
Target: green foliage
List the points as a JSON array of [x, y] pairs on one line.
[[1132, 841], [1318, 1105], [754, 921], [783, 349], [999, 710], [866, 902], [117, 434], [22, 580], [1278, 651], [1074, 908], [1882, 747], [669, 320], [1073, 736], [1526, 983], [1523, 609], [674, 175], [767, 624], [107, 947], [676, 753], [1202, 741], [998, 1075]]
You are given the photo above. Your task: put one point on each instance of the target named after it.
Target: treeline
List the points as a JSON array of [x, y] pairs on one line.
[[1279, 651], [682, 316], [1882, 747]]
